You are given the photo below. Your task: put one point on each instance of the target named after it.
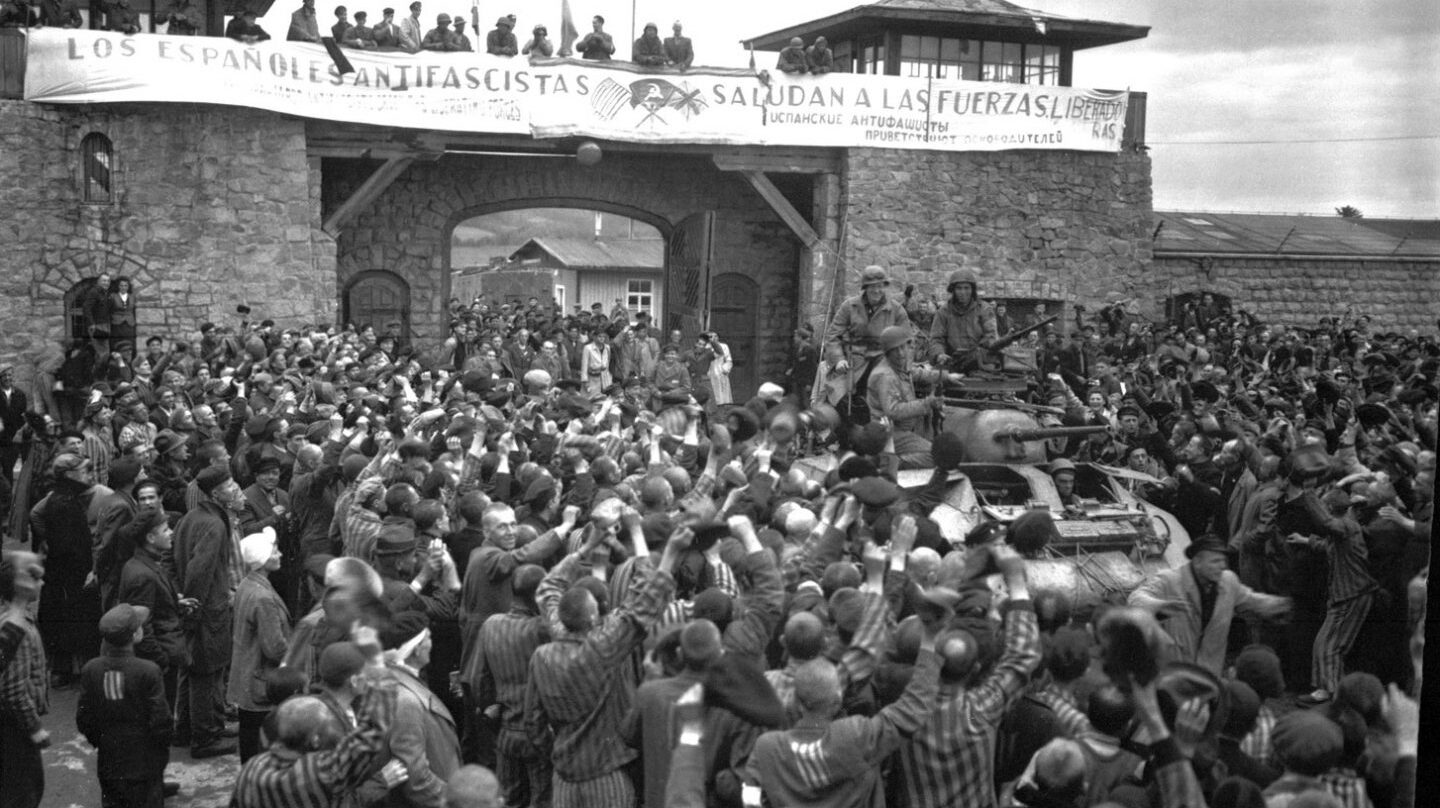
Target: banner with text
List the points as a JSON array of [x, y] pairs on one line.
[[547, 98]]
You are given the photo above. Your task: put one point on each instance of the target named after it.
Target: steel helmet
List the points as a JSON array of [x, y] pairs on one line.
[[893, 337], [874, 275], [1061, 464], [962, 276]]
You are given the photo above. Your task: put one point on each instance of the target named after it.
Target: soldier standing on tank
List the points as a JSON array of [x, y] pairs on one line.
[[964, 327], [862, 318]]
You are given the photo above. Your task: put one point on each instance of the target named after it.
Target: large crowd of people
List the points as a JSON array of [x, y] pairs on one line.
[[545, 560]]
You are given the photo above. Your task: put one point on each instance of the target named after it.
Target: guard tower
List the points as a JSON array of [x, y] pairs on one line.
[[973, 40]]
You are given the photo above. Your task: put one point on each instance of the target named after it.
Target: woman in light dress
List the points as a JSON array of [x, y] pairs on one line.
[[595, 363], [720, 371]]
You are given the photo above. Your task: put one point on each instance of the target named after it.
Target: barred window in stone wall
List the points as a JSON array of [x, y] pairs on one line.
[[96, 161]]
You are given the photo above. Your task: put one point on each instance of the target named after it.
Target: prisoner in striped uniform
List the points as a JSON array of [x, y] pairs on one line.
[[502, 661], [577, 697], [951, 760], [835, 763], [313, 765]]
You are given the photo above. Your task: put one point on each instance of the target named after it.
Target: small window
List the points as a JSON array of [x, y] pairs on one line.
[[96, 161], [640, 295], [871, 58], [1042, 64], [560, 295]]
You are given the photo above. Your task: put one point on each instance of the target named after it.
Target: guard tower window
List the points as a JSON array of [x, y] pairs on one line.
[[975, 60], [96, 161], [870, 57]]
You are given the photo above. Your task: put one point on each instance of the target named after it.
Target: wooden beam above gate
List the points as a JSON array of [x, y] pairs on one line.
[[373, 186], [798, 161], [783, 208]]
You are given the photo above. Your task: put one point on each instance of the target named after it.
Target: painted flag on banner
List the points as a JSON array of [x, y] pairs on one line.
[[568, 33]]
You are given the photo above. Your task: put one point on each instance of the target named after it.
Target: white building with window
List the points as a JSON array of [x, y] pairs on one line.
[[620, 272]]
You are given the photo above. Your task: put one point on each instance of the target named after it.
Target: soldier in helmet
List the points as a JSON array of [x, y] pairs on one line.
[[1062, 471], [891, 396], [964, 327], [861, 319]]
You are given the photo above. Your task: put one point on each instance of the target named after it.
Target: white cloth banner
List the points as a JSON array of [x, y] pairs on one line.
[[547, 98]]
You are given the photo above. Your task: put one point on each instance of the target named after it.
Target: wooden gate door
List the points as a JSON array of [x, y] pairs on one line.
[[687, 274], [735, 316], [376, 298]]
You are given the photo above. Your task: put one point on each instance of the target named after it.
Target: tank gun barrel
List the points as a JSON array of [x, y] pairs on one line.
[[1046, 433]]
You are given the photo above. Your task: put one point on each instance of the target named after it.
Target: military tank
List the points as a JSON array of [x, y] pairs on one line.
[[1109, 538]]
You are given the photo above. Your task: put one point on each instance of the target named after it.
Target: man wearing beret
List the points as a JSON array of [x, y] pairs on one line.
[[208, 568], [144, 581], [266, 503], [122, 712], [1195, 603]]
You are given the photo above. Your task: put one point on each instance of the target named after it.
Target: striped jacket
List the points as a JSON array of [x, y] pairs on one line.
[[284, 778], [24, 686], [836, 764], [577, 695], [502, 662], [951, 760]]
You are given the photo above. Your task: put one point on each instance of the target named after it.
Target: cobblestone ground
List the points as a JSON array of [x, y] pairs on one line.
[[70, 780], [70, 766]]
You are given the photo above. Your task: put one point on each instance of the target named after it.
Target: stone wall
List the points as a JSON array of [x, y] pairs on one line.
[[407, 229], [1069, 226], [211, 207], [1397, 294]]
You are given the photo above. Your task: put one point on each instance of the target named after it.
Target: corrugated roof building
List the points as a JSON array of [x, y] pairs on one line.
[[1294, 269]]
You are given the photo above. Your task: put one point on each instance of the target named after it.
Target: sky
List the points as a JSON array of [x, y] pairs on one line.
[[1338, 94]]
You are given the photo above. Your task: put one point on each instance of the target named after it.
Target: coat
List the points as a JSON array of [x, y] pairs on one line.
[[123, 713], [958, 332], [122, 315], [259, 514], [1189, 641], [144, 583], [68, 612], [860, 331], [891, 395], [203, 552], [423, 739], [12, 414], [261, 634]]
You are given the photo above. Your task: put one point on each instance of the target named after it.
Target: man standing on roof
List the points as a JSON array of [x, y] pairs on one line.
[[862, 318], [964, 327]]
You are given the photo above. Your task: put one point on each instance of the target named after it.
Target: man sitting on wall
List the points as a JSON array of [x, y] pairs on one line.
[[438, 39], [360, 35], [501, 41], [242, 28]]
